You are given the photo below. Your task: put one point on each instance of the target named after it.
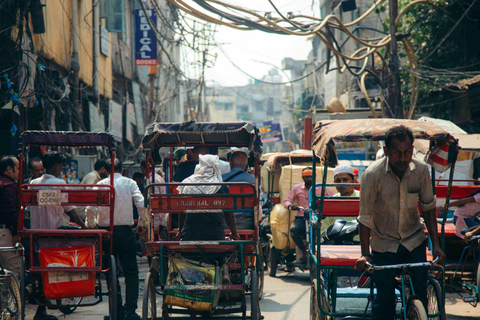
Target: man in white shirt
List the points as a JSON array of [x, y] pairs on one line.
[[160, 219], [124, 246], [50, 217]]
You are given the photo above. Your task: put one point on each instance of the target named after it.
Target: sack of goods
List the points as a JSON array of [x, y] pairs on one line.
[[182, 273], [280, 221]]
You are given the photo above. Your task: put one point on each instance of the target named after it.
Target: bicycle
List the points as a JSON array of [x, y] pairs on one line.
[[412, 308], [10, 299]]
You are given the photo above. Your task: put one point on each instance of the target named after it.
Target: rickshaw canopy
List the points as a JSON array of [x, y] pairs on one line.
[[228, 134], [277, 160], [327, 132], [67, 139]]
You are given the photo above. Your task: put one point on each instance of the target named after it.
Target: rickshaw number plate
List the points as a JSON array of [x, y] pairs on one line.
[[51, 197]]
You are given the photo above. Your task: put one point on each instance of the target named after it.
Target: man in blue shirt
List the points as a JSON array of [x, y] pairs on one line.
[[239, 165]]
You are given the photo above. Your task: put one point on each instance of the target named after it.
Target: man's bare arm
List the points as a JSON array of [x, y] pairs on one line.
[[365, 247], [431, 222], [75, 218]]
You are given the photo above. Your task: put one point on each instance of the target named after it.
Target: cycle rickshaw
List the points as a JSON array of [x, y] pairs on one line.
[[66, 263], [331, 261], [10, 300], [172, 264]]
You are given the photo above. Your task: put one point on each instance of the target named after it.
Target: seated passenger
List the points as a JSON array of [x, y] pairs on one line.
[[205, 225], [467, 212], [470, 233], [187, 168], [51, 217], [239, 164]]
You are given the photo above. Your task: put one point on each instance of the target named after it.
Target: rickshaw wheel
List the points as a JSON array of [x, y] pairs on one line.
[[261, 283], [112, 294], [23, 298], [478, 282], [149, 307], [314, 310], [434, 297], [69, 305], [416, 311], [255, 306], [272, 262], [11, 308]]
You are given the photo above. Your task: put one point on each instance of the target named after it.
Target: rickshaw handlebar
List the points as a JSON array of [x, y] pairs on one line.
[[18, 246], [372, 267]]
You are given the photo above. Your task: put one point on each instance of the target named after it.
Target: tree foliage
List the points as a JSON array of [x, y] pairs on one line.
[[446, 42]]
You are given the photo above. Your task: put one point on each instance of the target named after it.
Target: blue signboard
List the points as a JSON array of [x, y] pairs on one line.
[[145, 39], [270, 131]]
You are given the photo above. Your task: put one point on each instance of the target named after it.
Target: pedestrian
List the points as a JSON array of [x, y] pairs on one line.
[[36, 169], [391, 190], [124, 245], [9, 172], [100, 171], [160, 219]]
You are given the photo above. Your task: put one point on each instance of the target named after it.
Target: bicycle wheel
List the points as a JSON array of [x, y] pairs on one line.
[[10, 297], [416, 310], [149, 307], [478, 282], [68, 306], [435, 302], [315, 312], [254, 298], [272, 262]]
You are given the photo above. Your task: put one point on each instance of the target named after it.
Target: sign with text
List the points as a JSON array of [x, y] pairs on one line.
[[145, 39], [49, 197], [270, 131], [115, 121]]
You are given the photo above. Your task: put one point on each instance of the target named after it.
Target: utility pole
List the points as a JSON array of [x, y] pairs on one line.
[[394, 96], [96, 52], [75, 64]]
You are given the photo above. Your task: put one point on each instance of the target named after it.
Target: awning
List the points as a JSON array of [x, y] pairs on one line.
[[225, 134], [67, 138]]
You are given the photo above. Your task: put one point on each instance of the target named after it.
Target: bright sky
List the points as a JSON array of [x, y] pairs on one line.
[[255, 51]]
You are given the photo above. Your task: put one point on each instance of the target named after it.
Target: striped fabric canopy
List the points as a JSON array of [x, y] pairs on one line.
[[327, 132]]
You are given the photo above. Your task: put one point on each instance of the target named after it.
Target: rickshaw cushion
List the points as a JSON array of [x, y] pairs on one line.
[[345, 255], [340, 207]]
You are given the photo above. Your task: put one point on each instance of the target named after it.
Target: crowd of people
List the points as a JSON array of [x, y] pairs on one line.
[[391, 230]]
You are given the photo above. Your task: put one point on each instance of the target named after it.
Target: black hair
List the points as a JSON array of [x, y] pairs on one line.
[[143, 163], [7, 161], [307, 168], [213, 150], [101, 163], [117, 165], [401, 133], [30, 163], [138, 175], [51, 158]]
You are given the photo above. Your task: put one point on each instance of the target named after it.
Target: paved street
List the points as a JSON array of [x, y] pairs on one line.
[[286, 297]]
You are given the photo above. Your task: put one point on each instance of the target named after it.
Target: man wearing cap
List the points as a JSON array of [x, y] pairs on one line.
[[239, 165], [300, 193], [342, 174], [345, 174]]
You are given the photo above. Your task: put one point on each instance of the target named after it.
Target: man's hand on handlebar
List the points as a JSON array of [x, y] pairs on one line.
[[438, 253], [361, 264]]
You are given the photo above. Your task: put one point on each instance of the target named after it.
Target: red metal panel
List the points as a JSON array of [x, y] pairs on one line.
[[340, 207], [458, 192]]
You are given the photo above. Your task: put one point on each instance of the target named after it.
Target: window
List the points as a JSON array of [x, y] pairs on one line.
[[218, 106], [228, 106], [114, 13]]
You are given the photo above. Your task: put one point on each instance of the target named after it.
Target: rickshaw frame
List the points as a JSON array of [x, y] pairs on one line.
[[102, 198], [370, 129], [234, 134]]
